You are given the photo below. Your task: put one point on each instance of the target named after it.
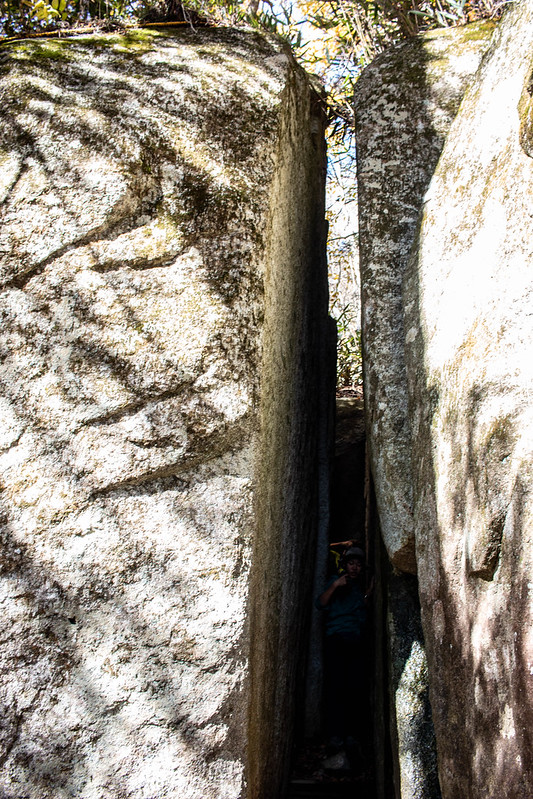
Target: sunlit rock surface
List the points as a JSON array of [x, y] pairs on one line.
[[404, 102], [163, 288], [469, 327]]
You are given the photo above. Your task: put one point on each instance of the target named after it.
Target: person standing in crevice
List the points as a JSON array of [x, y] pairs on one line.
[[344, 603]]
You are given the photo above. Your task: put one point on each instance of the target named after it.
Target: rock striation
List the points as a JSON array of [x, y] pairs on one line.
[[163, 292]]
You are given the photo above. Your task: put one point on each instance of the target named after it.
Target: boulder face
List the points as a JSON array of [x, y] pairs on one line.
[[468, 295], [415, 771], [405, 102], [162, 273], [447, 291]]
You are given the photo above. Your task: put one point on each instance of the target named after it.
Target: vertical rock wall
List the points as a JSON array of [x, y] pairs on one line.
[[163, 288], [447, 324], [405, 103], [295, 349], [468, 298]]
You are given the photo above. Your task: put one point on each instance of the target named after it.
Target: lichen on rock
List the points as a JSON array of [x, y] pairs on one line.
[[445, 230], [136, 233], [467, 295], [405, 103]]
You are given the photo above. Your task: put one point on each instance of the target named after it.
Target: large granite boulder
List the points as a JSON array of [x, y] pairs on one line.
[[468, 299], [163, 291], [405, 102]]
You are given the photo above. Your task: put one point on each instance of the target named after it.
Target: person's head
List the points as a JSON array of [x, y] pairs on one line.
[[353, 561]]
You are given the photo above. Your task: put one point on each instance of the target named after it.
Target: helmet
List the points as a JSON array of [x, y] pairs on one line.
[[353, 552]]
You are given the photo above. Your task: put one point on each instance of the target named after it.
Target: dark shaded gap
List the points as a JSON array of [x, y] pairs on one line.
[[352, 516]]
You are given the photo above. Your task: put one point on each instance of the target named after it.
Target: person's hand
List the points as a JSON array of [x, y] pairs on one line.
[[343, 580], [328, 593], [370, 589], [345, 544]]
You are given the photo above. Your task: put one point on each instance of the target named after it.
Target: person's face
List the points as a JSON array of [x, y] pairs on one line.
[[354, 567]]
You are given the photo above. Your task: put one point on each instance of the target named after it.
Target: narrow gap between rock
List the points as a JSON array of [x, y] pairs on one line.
[[321, 767]]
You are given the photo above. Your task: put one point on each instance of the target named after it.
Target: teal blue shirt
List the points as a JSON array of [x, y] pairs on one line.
[[346, 611]]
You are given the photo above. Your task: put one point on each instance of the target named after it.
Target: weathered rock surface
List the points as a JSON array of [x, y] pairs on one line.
[[412, 734], [162, 274], [469, 326], [405, 103]]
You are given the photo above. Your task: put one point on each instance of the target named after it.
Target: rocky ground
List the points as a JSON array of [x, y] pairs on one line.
[[311, 777]]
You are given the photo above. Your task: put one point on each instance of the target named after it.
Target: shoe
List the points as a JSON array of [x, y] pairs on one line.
[[338, 762]]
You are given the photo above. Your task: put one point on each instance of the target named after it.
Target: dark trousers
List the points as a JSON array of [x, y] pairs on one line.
[[345, 690]]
